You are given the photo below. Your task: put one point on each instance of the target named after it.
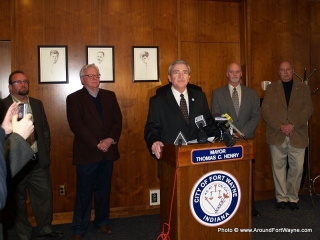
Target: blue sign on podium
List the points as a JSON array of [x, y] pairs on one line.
[[216, 154]]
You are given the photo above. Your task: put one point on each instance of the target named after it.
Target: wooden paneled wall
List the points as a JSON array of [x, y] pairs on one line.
[[208, 34]]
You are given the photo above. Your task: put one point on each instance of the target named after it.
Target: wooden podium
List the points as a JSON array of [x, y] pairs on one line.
[[179, 171]]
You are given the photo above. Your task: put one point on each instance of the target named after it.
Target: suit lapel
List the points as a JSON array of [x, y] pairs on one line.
[[192, 105], [280, 93], [294, 92], [244, 99], [34, 108]]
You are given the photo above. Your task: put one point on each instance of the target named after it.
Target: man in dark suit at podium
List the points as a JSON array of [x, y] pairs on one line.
[[174, 110], [246, 117]]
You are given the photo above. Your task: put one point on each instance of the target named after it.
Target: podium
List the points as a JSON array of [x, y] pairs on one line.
[[211, 186]]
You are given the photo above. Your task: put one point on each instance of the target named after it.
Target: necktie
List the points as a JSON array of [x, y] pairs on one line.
[[235, 100], [184, 108]]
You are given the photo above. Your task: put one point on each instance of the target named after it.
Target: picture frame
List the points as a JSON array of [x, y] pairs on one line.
[[145, 63], [53, 64], [103, 58]]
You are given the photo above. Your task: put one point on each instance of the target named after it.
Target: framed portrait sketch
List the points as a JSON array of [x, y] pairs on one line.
[[53, 64], [103, 58], [145, 64]]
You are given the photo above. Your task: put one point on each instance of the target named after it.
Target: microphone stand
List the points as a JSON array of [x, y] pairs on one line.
[[311, 181], [202, 135]]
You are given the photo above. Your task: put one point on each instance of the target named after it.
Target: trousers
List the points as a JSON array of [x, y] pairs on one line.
[[93, 180], [287, 180], [37, 181]]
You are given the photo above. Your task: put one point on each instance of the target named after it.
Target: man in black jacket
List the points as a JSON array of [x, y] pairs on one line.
[[36, 177], [165, 118]]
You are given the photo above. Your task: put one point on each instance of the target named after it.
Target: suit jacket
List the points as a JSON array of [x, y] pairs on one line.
[[85, 123], [249, 112], [276, 113], [17, 153], [165, 119], [3, 172], [41, 128]]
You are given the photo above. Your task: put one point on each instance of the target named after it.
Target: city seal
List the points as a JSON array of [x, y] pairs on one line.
[[215, 198]]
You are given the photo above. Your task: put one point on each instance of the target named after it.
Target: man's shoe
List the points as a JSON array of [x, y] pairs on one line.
[[105, 229], [76, 237], [281, 206], [255, 213], [294, 206], [52, 235]]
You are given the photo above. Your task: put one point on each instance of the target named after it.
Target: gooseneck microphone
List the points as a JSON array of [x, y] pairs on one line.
[[229, 119]]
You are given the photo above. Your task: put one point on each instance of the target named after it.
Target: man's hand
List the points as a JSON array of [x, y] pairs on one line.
[[104, 144], [156, 148], [7, 121], [24, 127], [287, 129]]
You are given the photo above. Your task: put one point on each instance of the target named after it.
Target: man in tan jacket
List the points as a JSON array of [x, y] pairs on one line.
[[286, 108]]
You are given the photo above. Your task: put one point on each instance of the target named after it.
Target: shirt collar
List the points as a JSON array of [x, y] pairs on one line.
[[92, 94], [177, 93], [16, 100]]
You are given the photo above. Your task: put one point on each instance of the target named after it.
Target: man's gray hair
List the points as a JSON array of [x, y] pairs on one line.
[[178, 62], [92, 65]]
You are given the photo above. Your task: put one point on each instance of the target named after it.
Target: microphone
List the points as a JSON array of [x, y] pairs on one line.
[[201, 123], [228, 139], [224, 134], [229, 119], [200, 120]]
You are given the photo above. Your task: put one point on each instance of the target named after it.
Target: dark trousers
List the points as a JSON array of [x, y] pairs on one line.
[[36, 180], [93, 179]]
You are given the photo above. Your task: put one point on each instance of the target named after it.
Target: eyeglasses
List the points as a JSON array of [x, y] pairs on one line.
[[92, 76], [19, 82]]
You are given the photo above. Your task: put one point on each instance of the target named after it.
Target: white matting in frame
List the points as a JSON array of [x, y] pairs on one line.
[[53, 64], [145, 64], [103, 58]]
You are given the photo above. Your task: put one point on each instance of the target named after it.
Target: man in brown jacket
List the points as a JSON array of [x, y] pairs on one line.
[[95, 118], [286, 108]]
